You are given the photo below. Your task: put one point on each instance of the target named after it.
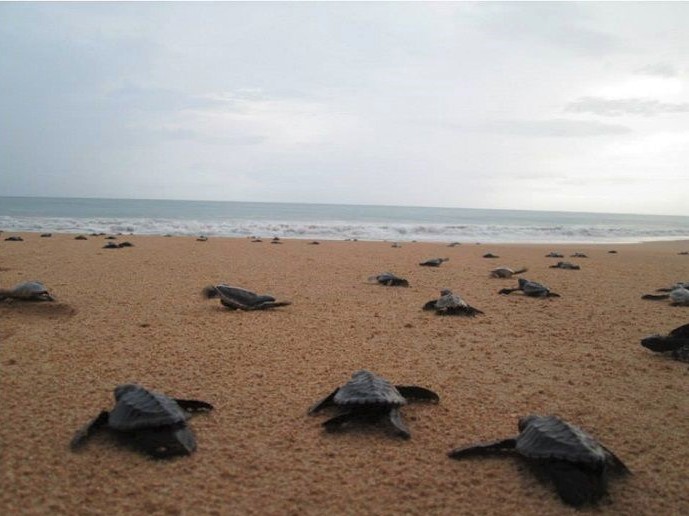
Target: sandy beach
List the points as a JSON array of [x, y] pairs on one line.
[[136, 315]]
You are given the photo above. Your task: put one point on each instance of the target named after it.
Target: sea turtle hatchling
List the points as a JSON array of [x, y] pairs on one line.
[[554, 254], [506, 272], [389, 279], [241, 299], [675, 343], [565, 265], [148, 420], [27, 291], [678, 296], [433, 262], [530, 288], [451, 304], [578, 465], [368, 397]]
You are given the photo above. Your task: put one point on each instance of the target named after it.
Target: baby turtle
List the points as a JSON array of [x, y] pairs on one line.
[[554, 254], [451, 304], [276, 240], [490, 255], [28, 291], [577, 464], [202, 238], [565, 265], [454, 244], [46, 235], [81, 237], [111, 245], [433, 262], [506, 272], [396, 245], [148, 420], [14, 239], [530, 288], [368, 397], [126, 244], [111, 237], [389, 279], [241, 299], [678, 296], [675, 343], [578, 255]]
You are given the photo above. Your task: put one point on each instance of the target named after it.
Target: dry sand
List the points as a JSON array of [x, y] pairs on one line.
[[136, 315]]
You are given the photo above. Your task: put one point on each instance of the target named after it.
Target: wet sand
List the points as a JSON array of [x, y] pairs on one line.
[[136, 315]]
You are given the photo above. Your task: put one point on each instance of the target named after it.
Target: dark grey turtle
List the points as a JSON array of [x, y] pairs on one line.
[[565, 265], [679, 284], [490, 255], [451, 304], [81, 237], [368, 397], [454, 244], [389, 279], [28, 291], [506, 272], [578, 255], [578, 465], [276, 240], [150, 421], [315, 242], [554, 254], [110, 237], [126, 244], [683, 253], [612, 251], [46, 235], [111, 245], [678, 296], [202, 238], [396, 245], [434, 262], [675, 343], [241, 299], [14, 238], [530, 288], [256, 240]]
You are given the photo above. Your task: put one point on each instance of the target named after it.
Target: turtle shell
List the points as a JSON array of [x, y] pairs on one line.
[[242, 296], [139, 408], [367, 388], [29, 290], [450, 300], [549, 437], [531, 288]]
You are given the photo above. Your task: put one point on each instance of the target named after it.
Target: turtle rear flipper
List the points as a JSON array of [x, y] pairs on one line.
[[335, 424], [576, 484], [552, 294], [395, 418], [655, 297], [681, 331], [414, 392], [520, 271], [194, 405], [325, 402], [487, 448], [163, 442], [80, 437]]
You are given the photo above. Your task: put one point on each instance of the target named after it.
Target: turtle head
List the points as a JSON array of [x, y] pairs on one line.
[[121, 390], [525, 421]]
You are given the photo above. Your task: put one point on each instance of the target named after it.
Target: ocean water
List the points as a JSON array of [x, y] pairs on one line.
[[327, 221]]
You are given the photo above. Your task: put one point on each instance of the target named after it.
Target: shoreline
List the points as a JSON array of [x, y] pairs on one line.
[[137, 315]]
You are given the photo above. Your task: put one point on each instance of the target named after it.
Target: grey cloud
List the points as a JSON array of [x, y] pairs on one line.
[[619, 107], [659, 69], [557, 127]]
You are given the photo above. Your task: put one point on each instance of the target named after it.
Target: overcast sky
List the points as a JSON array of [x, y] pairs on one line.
[[547, 106]]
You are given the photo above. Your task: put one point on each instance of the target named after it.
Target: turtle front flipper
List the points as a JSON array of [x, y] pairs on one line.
[[506, 291], [325, 402], [80, 437], [270, 304], [681, 331], [194, 405], [430, 305], [336, 423], [655, 297], [661, 343], [395, 418], [576, 484], [414, 392], [483, 448]]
